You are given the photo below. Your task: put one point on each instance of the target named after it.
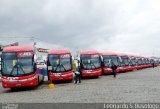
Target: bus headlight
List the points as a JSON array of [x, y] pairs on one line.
[[34, 77], [5, 80]]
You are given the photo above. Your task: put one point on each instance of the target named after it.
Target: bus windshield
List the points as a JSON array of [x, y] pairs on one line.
[[125, 59], [60, 63], [134, 61], [90, 62], [139, 61], [115, 60], [144, 61], [14, 65], [106, 60]]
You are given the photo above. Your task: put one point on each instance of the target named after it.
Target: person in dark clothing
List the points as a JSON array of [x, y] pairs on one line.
[[77, 77], [153, 64], [113, 67]]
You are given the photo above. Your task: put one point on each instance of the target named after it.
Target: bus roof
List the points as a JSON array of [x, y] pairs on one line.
[[132, 55], [59, 51], [121, 54], [108, 53], [18, 48], [89, 52]]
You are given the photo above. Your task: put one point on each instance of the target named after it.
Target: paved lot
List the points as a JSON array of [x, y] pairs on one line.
[[138, 86]]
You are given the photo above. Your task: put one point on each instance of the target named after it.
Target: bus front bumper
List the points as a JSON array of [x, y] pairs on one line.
[[19, 83], [107, 71], [61, 76], [91, 73]]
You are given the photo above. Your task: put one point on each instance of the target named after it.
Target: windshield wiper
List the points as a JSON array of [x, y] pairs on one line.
[[59, 65], [16, 66], [91, 64], [63, 67]]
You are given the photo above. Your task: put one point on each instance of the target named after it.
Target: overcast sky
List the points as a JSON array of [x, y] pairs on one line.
[[131, 26]]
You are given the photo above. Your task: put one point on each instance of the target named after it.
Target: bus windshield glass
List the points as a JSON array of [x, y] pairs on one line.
[[115, 60], [125, 59], [139, 61], [134, 61], [17, 64], [90, 62], [107, 61], [60, 62], [144, 61]]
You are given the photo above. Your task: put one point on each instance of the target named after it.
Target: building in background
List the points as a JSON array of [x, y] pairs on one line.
[[42, 53]]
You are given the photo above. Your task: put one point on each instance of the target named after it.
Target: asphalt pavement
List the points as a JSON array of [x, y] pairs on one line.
[[142, 86]]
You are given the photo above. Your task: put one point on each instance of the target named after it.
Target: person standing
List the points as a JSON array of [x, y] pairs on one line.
[[153, 64], [77, 75], [113, 67]]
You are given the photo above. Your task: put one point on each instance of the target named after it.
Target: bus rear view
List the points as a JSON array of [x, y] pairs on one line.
[[59, 65], [90, 64]]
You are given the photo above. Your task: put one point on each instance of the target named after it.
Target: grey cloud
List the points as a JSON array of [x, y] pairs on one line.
[[85, 24]]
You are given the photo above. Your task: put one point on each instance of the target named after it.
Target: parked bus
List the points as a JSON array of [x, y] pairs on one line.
[[59, 65], [126, 62], [90, 64], [133, 60], [140, 63], [107, 58], [149, 63], [19, 68], [143, 62], [146, 65], [156, 62]]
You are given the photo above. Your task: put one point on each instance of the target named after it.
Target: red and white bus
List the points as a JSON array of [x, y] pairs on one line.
[[19, 68], [125, 62], [145, 62], [90, 63], [156, 62], [134, 61], [59, 65], [139, 62], [107, 57], [149, 63]]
